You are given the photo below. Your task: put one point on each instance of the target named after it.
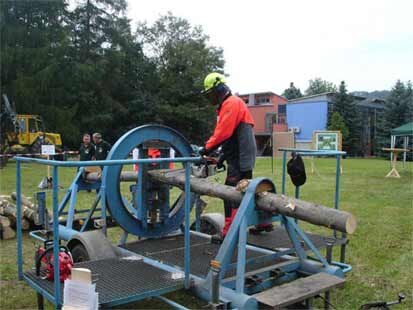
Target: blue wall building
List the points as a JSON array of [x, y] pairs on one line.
[[308, 114]]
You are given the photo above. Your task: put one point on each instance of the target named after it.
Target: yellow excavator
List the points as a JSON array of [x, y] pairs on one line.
[[22, 133]]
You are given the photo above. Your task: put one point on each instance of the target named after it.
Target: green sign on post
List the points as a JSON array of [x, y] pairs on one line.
[[327, 140]]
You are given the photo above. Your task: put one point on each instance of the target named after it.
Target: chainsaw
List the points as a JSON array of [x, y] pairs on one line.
[[209, 166], [44, 262]]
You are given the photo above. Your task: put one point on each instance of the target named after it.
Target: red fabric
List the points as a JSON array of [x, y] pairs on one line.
[[228, 222], [232, 112], [154, 153]]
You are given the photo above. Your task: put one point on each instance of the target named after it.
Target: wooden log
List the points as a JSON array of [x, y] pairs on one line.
[[125, 176], [29, 215], [7, 209], [25, 224], [6, 232], [25, 202], [4, 221], [275, 203]]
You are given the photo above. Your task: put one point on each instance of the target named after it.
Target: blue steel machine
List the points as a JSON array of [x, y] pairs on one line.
[[244, 272]]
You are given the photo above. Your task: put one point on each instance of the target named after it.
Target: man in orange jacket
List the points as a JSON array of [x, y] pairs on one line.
[[234, 132]]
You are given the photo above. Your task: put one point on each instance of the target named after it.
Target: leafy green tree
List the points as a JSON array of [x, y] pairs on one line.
[[34, 41], [398, 111], [319, 86], [111, 74], [398, 106], [292, 92], [346, 106], [337, 123], [95, 26], [182, 57], [409, 103]]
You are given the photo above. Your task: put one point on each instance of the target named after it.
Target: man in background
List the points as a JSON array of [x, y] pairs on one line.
[[102, 147], [86, 149]]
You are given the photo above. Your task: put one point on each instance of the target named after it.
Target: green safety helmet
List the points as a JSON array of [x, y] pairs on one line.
[[212, 80]]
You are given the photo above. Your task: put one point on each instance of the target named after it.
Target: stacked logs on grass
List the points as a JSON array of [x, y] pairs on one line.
[[8, 215]]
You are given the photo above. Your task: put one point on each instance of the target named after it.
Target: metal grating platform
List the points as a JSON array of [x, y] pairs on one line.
[[170, 250], [278, 238], [139, 280]]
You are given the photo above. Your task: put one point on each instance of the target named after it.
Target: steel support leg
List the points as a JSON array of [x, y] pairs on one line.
[[343, 249], [329, 257], [40, 301]]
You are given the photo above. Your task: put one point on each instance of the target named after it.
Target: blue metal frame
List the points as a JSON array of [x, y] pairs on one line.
[[304, 152], [237, 235], [58, 229]]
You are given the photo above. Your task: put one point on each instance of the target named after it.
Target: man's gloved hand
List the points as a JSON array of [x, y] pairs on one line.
[[220, 161], [202, 151]]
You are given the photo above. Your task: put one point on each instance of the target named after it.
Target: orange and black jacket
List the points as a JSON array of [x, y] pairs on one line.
[[234, 131]]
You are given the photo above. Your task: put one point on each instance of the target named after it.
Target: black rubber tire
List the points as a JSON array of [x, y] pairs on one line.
[[79, 254], [36, 147], [206, 227]]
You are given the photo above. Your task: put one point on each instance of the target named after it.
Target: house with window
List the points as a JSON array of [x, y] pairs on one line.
[[308, 114], [269, 112]]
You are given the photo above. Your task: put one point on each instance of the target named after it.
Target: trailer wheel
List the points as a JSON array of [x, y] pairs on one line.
[[211, 223], [79, 253]]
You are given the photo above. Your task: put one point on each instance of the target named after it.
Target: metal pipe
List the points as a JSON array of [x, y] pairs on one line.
[[103, 208], [66, 233], [40, 301], [187, 254], [71, 212], [215, 281], [55, 183], [343, 248], [19, 222], [337, 188], [345, 267], [241, 256], [329, 257], [307, 152], [171, 303], [238, 300], [284, 171], [112, 162]]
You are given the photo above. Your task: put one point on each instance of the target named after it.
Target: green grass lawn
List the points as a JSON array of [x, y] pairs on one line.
[[380, 251]]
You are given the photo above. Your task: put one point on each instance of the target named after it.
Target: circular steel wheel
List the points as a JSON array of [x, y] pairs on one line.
[[118, 206]]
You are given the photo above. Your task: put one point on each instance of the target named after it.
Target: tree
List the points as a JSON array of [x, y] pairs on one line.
[[409, 103], [337, 123], [346, 107], [182, 58], [34, 42], [398, 108], [292, 92], [83, 71], [319, 86], [398, 111], [110, 73]]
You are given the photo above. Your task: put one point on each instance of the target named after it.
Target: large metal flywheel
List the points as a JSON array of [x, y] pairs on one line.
[[151, 215]]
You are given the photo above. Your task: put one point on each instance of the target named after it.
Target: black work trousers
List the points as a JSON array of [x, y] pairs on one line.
[[234, 175]]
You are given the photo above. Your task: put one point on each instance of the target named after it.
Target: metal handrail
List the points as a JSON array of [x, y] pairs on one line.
[[56, 164]]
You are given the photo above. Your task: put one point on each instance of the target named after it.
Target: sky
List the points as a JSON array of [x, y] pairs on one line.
[[268, 44]]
